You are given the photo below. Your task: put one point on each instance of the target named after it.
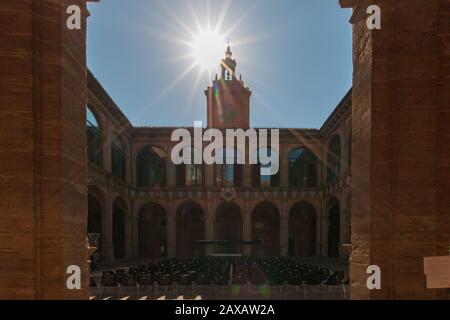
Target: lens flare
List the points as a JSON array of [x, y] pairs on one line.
[[208, 48]]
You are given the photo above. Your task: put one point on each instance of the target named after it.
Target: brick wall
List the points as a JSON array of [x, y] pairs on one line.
[[42, 150], [400, 173]]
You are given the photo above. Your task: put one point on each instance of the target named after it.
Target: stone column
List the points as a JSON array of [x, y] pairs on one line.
[[324, 221], [107, 141], [209, 175], [171, 231], [129, 235], [107, 250], [247, 228], [209, 223], [135, 237], [284, 166], [171, 173], [284, 229], [247, 175], [128, 164]]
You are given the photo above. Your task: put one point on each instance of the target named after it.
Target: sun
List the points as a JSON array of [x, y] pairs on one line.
[[207, 49]]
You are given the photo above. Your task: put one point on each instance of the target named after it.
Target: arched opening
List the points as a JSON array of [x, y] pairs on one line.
[[228, 225], [334, 226], [94, 138], [152, 231], [266, 227], [118, 159], [151, 167], [260, 173], [334, 159], [302, 230], [190, 225], [228, 174], [190, 174], [302, 168], [119, 209], [94, 223]]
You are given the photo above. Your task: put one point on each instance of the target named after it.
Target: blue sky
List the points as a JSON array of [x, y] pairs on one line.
[[295, 55]]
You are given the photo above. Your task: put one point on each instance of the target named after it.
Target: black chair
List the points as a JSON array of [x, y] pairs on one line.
[[164, 285], [92, 282], [109, 287], [184, 285]]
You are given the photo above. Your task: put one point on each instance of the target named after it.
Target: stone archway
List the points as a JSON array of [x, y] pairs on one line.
[[119, 213], [152, 231], [266, 227], [302, 230], [94, 218], [190, 226], [228, 225], [334, 228]]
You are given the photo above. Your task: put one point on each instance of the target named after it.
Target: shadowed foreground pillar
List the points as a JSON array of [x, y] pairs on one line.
[[43, 166], [401, 138]]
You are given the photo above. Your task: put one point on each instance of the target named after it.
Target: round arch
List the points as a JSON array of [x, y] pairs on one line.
[[96, 205], [334, 158], [334, 227], [302, 230], [190, 226], [302, 168], [151, 169], [228, 224], [266, 227], [94, 133], [152, 235], [119, 216]]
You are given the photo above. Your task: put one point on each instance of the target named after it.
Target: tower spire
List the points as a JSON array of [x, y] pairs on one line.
[[229, 53]]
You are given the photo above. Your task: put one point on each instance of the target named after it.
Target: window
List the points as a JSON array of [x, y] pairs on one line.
[[228, 75], [189, 174], [94, 138], [259, 179], [228, 175], [151, 167], [118, 159], [302, 168], [334, 159]]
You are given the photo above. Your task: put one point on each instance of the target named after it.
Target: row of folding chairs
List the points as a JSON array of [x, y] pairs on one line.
[[229, 291]]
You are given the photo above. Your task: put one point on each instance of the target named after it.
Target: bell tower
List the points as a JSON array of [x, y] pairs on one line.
[[228, 100]]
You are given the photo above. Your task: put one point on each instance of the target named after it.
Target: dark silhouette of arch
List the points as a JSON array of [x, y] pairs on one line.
[[95, 209], [228, 225], [94, 224], [302, 230], [190, 226], [266, 227], [94, 138], [227, 175], [260, 180], [119, 209], [302, 168], [152, 231], [151, 167], [334, 228]]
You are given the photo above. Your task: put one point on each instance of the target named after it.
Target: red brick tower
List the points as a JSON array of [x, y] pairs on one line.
[[228, 99]]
